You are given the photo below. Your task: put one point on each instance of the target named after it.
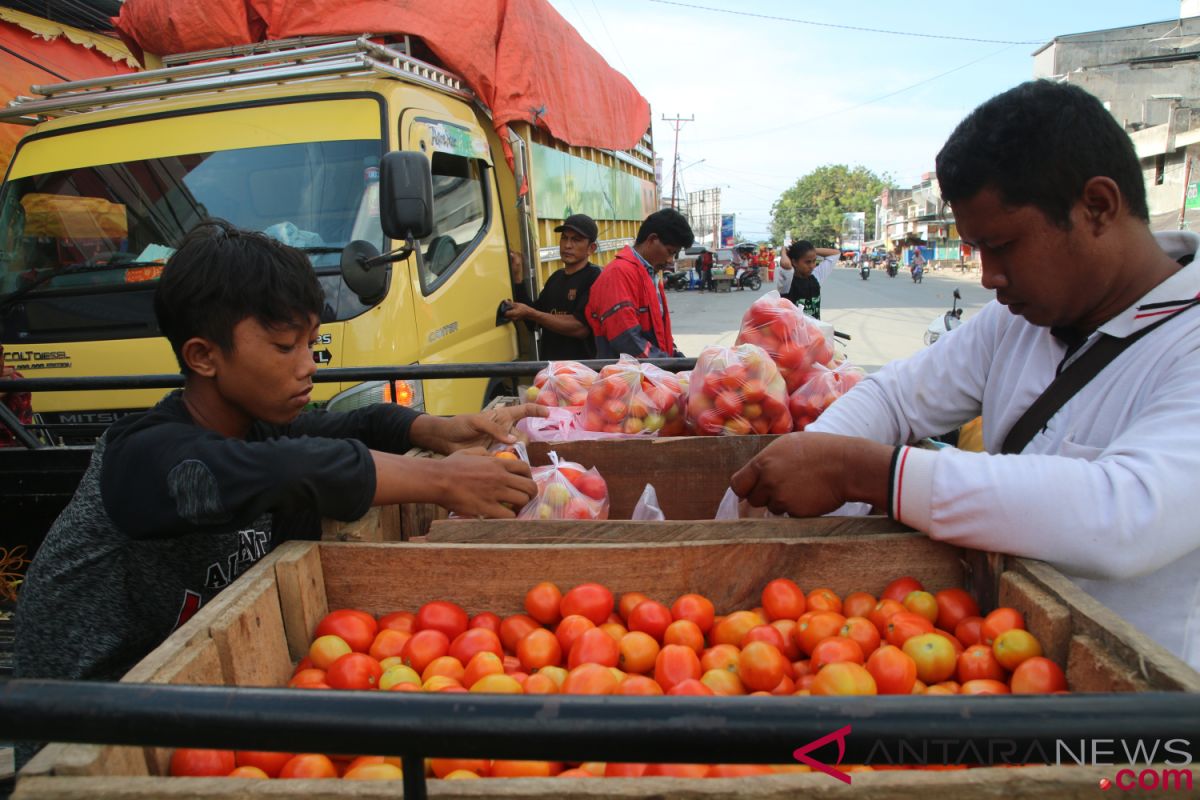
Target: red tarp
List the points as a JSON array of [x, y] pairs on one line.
[[27, 59], [519, 56]]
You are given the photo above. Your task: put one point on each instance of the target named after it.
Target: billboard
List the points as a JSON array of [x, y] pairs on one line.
[[853, 230], [727, 236], [1193, 195]]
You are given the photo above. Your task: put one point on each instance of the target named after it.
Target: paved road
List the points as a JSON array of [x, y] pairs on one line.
[[885, 317]]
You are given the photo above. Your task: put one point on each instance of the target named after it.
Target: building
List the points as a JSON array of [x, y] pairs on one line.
[[1148, 76], [916, 217]]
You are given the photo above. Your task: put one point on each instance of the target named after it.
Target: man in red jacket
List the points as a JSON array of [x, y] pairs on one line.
[[627, 308]]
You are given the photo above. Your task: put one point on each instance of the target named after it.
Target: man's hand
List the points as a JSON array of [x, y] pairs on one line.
[[449, 434], [809, 474], [516, 267], [517, 311], [475, 484]]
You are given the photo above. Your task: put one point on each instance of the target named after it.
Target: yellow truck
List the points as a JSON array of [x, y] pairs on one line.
[[342, 148]]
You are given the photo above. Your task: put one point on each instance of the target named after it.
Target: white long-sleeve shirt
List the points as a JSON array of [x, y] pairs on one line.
[[1109, 492]]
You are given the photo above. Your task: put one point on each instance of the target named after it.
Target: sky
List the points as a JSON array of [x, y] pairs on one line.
[[780, 87]]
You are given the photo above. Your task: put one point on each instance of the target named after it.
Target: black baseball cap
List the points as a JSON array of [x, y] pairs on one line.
[[582, 224]]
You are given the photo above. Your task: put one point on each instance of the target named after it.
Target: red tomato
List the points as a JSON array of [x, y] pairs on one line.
[[590, 679], [843, 679], [690, 687], [356, 628], [650, 617], [399, 621], [903, 625], [823, 600], [858, 604], [954, 605], [894, 670], [472, 641], [783, 599], [486, 620], [594, 646], [882, 612], [354, 671], [268, 762], [763, 633], [835, 650], [444, 616], [969, 631], [638, 685], [388, 642], [863, 632], [513, 629], [191, 762], [685, 632], [787, 629], [978, 662], [999, 621], [539, 649], [675, 664], [615, 770], [629, 601], [722, 656], [761, 666], [899, 589], [984, 686], [309, 765], [424, 647], [676, 770], [589, 600], [1038, 675], [821, 625], [570, 629]]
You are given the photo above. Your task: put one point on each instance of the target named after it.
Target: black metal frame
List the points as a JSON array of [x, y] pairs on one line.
[[750, 730]]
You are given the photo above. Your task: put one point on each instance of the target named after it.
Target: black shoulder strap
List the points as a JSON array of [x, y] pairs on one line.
[[1070, 381]]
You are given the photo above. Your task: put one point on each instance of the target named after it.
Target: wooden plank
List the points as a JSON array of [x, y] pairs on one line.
[[1145, 658], [689, 473], [301, 585], [92, 759], [384, 578], [583, 532], [1046, 617], [367, 528], [250, 638], [197, 665], [1090, 669]]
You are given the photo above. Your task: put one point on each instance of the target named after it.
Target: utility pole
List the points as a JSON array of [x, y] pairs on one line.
[[678, 123], [1187, 176]]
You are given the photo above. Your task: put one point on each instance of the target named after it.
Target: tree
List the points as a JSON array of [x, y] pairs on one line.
[[812, 209]]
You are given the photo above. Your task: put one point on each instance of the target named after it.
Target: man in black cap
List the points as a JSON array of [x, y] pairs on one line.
[[559, 309]]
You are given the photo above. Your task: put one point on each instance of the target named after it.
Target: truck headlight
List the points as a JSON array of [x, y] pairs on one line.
[[930, 337], [408, 393]]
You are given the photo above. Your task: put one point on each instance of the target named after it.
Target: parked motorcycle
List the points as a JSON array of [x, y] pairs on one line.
[[676, 281], [747, 278], [944, 323]]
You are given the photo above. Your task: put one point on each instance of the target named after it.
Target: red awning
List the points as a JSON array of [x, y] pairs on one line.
[[519, 56]]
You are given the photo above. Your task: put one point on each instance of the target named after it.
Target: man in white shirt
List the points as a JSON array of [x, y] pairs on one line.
[[1043, 180]]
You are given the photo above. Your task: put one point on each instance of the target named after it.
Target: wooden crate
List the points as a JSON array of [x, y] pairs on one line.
[[254, 631], [689, 473]]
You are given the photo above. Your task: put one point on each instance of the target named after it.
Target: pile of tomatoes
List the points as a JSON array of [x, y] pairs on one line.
[[586, 641], [561, 384], [567, 491], [823, 386], [630, 397], [736, 391], [792, 340]]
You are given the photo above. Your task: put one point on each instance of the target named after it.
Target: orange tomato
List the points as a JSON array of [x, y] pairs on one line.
[[686, 633], [628, 602], [447, 666], [954, 605], [761, 666], [444, 616], [472, 641], [525, 769], [722, 656], [482, 664], [539, 649], [576, 772], [199, 762], [922, 603], [570, 629], [675, 664], [638, 685], [676, 771], [894, 671], [404, 621], [652, 617], [514, 628], [696, 608], [270, 763], [638, 651], [589, 600], [388, 643], [356, 628], [542, 603], [497, 684], [999, 621], [615, 770], [843, 679], [882, 612], [898, 589], [787, 629], [978, 662], [834, 650], [860, 630], [424, 647], [983, 686], [594, 647], [1037, 675], [444, 766], [590, 679], [308, 679], [354, 671], [614, 629], [858, 604], [903, 625], [723, 682], [738, 770], [374, 772], [934, 655], [821, 625], [327, 649], [763, 633], [1014, 646], [249, 772], [309, 765], [733, 627], [690, 687], [540, 684], [823, 600], [783, 599]]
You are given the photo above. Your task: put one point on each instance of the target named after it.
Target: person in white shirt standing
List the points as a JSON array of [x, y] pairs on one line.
[[1085, 370]]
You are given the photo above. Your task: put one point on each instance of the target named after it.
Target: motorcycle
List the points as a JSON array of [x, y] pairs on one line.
[[676, 281], [864, 270], [944, 323], [891, 268], [918, 272], [747, 278]]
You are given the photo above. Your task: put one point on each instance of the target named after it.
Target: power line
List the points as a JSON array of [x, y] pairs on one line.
[[613, 41]]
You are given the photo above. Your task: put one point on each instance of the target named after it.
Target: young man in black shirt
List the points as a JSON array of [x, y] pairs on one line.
[[559, 309]]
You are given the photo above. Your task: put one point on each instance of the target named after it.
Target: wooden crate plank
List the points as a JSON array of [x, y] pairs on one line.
[[1140, 655], [367, 528], [301, 585], [384, 578], [511, 531], [198, 665], [689, 473], [1090, 669], [92, 759], [250, 638], [1046, 617]]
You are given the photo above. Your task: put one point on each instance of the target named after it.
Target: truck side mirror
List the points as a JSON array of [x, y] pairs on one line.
[[406, 195], [957, 296]]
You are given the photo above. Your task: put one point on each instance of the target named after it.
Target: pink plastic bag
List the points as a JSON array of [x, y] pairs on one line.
[[567, 491], [794, 341], [820, 391], [737, 390], [562, 384], [633, 398]]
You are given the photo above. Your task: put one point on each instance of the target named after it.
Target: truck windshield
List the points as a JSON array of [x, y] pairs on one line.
[[81, 250]]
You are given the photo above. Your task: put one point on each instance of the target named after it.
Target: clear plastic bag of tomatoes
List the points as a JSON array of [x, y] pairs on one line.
[[562, 384], [794, 341], [737, 390], [515, 452], [633, 398], [567, 491], [818, 393]]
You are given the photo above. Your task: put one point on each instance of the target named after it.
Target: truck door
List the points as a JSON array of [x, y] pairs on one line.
[[461, 273]]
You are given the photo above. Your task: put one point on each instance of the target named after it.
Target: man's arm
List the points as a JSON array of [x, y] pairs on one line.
[[563, 324], [384, 426]]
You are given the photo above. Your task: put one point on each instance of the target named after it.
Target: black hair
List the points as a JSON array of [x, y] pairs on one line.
[[671, 226], [1038, 144], [799, 248], [221, 275]]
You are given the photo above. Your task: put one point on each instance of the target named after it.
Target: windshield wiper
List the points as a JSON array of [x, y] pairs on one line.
[[70, 269]]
